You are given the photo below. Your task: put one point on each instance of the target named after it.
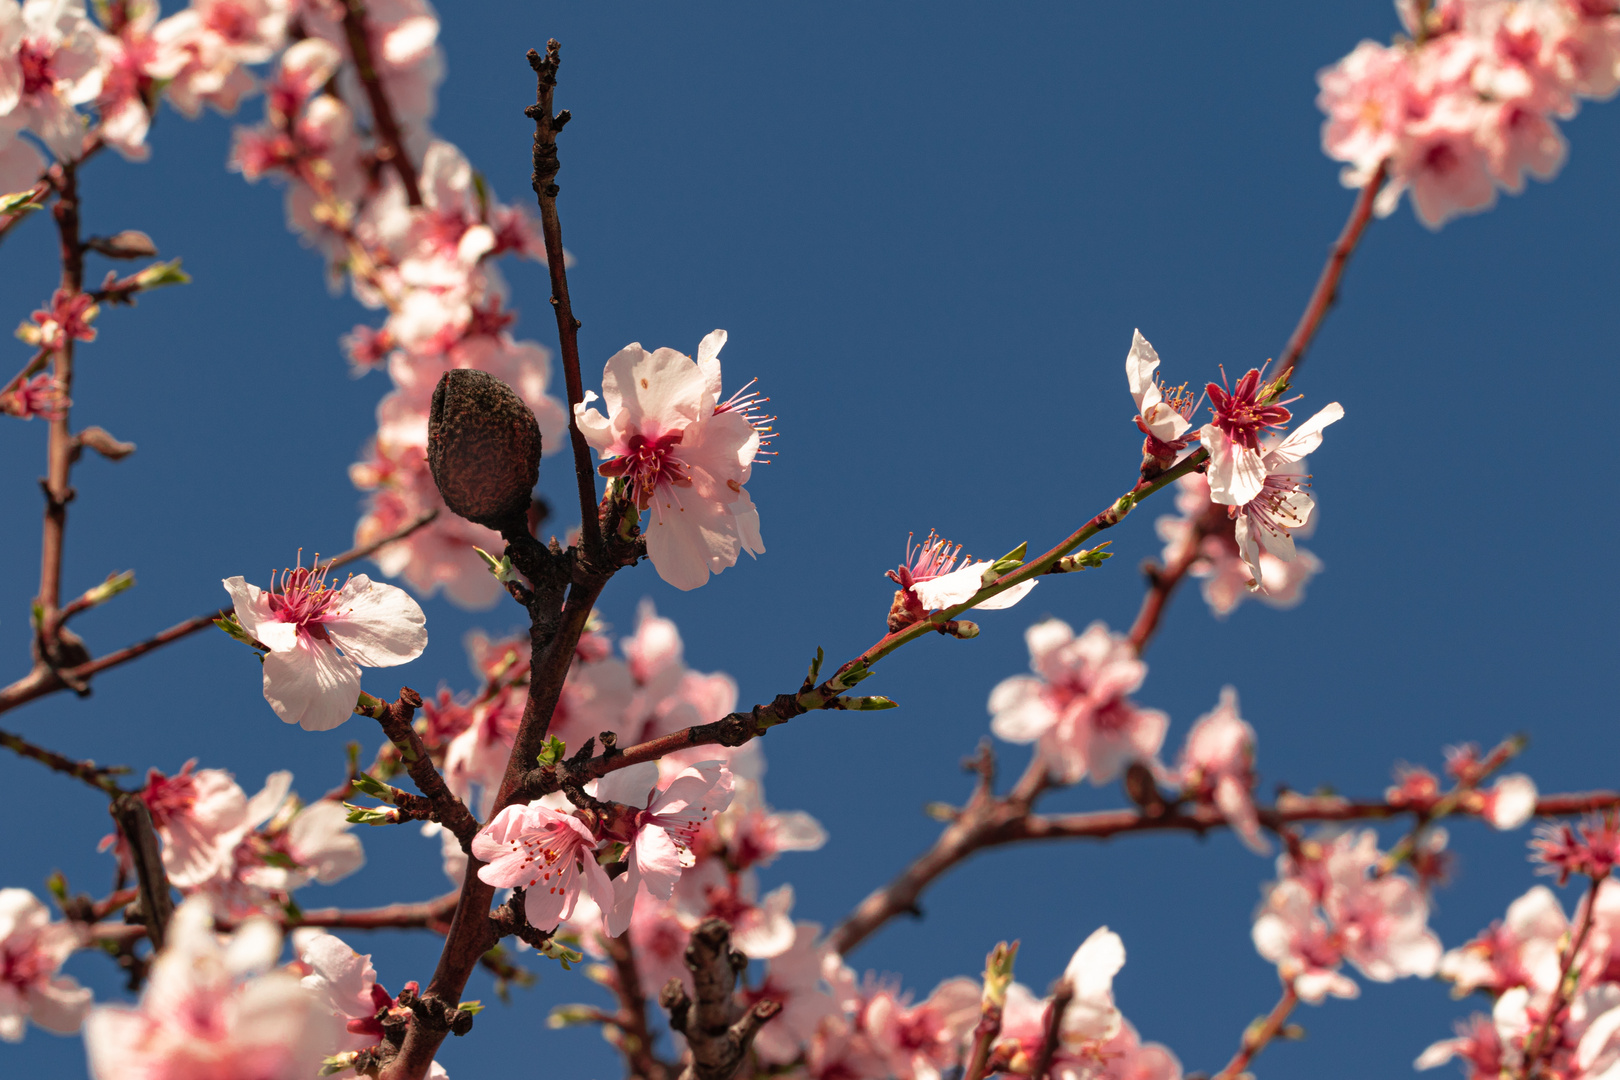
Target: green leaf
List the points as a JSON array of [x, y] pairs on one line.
[[552, 752], [20, 202], [369, 785], [160, 274], [366, 815], [815, 666], [474, 1007]]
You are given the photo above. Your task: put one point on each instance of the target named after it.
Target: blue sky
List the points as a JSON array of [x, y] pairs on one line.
[[930, 230]]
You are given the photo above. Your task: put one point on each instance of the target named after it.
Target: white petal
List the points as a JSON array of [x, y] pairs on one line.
[[1140, 364], [378, 625], [253, 612], [311, 686], [1308, 436]]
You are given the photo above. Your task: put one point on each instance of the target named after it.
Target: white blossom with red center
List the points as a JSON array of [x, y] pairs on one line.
[[930, 580], [32, 949], [198, 814], [681, 455], [1090, 1020], [550, 855], [1075, 705], [922, 1041], [304, 623], [658, 839], [1232, 437], [49, 63], [1282, 506], [1164, 416]]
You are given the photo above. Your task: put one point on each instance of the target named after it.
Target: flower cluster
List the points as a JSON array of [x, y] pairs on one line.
[[246, 855], [1470, 103], [1554, 983], [1334, 902]]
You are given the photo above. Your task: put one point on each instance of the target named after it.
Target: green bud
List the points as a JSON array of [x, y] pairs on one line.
[[20, 202], [338, 1063], [865, 704], [365, 815], [571, 1016], [160, 274], [115, 584], [368, 785], [998, 972], [552, 752], [502, 568]]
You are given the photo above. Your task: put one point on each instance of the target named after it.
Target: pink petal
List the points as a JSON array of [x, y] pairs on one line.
[[311, 686]]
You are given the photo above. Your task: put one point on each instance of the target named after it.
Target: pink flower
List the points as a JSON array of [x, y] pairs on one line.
[[1075, 706], [404, 48], [797, 979], [1365, 99], [202, 50], [213, 1011], [67, 319], [345, 983], [1524, 949], [1219, 563], [304, 623], [1090, 1021], [198, 815], [1282, 505], [32, 949], [1232, 438], [128, 58], [681, 455], [1163, 417], [1477, 1043], [658, 845], [1381, 922], [753, 834], [1217, 767], [49, 62], [1127, 1057], [923, 1041], [549, 855], [930, 581], [39, 396], [1291, 933]]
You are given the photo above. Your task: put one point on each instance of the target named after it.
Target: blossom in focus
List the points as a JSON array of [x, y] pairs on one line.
[[49, 63], [1217, 767], [1075, 705], [682, 455], [213, 1010], [1282, 505], [930, 581], [1232, 437], [658, 845], [548, 854], [303, 623], [32, 950], [1164, 417]]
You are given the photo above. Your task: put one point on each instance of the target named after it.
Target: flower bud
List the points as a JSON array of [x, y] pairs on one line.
[[483, 449], [129, 244]]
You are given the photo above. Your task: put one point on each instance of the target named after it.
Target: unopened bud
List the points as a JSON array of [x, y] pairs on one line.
[[866, 704], [160, 274], [572, 1015], [129, 244], [962, 628], [483, 449], [115, 584]]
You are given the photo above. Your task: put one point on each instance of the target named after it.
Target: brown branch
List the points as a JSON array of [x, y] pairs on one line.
[[448, 810], [1327, 286], [544, 182], [1259, 1036], [1062, 996], [154, 903], [420, 915], [1541, 1044], [1162, 583], [634, 1039], [997, 822], [43, 680], [99, 777], [392, 151], [718, 1030]]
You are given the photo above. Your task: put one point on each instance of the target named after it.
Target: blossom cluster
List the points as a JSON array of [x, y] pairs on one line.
[[1469, 104], [1553, 980]]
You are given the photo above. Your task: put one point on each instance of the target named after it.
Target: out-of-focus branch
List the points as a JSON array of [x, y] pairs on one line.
[[392, 149], [1062, 996], [99, 777], [1162, 582], [1541, 1044], [544, 181], [718, 1030], [421, 915], [154, 904], [43, 680], [633, 1037], [1260, 1034]]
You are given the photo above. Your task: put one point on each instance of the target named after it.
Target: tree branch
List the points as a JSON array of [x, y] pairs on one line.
[[635, 1037], [43, 680], [154, 903], [544, 181], [392, 149], [395, 719], [718, 1030], [99, 777], [1259, 1035]]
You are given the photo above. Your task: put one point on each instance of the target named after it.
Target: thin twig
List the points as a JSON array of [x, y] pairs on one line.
[[1257, 1038], [392, 151], [1062, 996], [420, 915], [42, 680], [448, 809], [634, 1039], [544, 181], [1539, 1046], [99, 777]]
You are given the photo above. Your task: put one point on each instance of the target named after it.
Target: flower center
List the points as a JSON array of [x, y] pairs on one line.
[[37, 73], [230, 21], [1239, 413], [304, 599], [649, 463]]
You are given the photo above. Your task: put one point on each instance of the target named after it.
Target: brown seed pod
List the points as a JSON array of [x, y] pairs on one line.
[[483, 449]]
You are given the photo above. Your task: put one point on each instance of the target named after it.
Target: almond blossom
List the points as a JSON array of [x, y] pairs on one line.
[[1089, 1022], [1282, 505], [1163, 417], [1075, 706], [198, 814], [345, 984], [49, 63], [1217, 767], [550, 855], [930, 581], [213, 1010], [32, 950], [658, 839], [797, 978], [921, 1041], [303, 622], [1241, 415], [1217, 561], [39, 396], [682, 455]]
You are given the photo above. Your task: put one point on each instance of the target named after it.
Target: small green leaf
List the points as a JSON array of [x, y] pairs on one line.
[[366, 815], [474, 1007], [369, 785], [160, 274], [815, 666], [115, 584], [552, 752], [20, 202], [866, 704]]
